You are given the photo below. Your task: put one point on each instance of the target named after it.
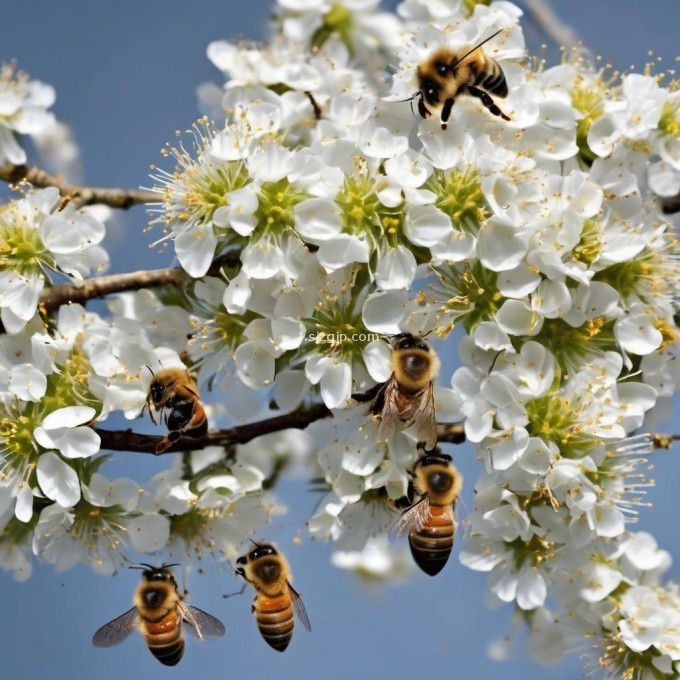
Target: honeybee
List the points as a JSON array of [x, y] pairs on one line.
[[407, 397], [268, 572], [158, 614], [172, 390], [429, 522], [447, 73]]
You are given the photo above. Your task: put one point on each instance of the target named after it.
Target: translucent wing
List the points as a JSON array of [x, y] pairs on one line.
[[299, 607], [390, 412], [414, 518], [199, 623], [114, 632], [425, 419]]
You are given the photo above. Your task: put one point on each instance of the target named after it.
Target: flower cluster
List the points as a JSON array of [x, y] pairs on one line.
[[311, 209], [23, 111]]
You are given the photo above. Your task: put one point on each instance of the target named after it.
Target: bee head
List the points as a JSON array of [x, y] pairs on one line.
[[162, 573]]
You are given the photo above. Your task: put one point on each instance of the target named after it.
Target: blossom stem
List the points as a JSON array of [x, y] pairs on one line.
[[113, 197], [127, 440]]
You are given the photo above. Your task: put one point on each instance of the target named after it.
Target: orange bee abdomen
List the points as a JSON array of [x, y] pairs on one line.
[[164, 638], [431, 546], [274, 616]]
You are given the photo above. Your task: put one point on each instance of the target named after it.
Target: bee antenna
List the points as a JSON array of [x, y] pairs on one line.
[[136, 567], [257, 545], [476, 47], [410, 100], [150, 370], [167, 566]]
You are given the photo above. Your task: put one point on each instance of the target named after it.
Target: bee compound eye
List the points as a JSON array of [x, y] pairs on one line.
[[442, 69], [440, 482], [415, 365]]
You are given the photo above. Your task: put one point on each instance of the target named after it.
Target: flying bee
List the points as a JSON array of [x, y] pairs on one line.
[[173, 392], [268, 572], [407, 397], [429, 522], [447, 73], [159, 614]]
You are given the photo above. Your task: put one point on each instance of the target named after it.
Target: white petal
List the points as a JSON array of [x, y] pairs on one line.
[[70, 416], [342, 250], [637, 334], [377, 356], [148, 533], [317, 220], [290, 388], [396, 269], [499, 246], [57, 480], [531, 589], [383, 312], [254, 364], [336, 385], [517, 318], [195, 248]]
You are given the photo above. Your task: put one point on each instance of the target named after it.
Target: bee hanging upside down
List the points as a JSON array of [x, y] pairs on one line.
[[407, 398], [430, 522], [161, 616], [172, 390], [275, 598], [447, 73]]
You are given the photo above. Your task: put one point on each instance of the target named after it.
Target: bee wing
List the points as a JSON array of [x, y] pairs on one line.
[[414, 518], [425, 419], [299, 607], [114, 632], [199, 623], [389, 411]]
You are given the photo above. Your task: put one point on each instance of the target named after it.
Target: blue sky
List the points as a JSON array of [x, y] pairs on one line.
[[125, 74]]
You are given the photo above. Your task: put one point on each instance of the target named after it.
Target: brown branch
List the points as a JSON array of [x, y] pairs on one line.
[[127, 440], [52, 298], [115, 198], [56, 296]]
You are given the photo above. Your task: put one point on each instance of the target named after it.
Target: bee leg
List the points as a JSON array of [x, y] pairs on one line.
[[486, 100], [167, 441], [446, 112], [422, 109], [240, 592], [368, 395]]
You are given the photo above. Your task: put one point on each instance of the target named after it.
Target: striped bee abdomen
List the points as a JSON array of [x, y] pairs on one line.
[[274, 617], [432, 545], [164, 638], [492, 79]]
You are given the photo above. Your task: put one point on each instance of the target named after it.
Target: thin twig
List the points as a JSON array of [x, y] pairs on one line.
[[53, 298], [115, 198], [127, 440], [547, 20], [56, 296]]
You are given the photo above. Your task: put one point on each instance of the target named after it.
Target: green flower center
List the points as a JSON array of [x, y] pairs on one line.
[[669, 121], [589, 247], [275, 210], [460, 196], [21, 249], [571, 346], [338, 325], [556, 419], [589, 100], [467, 295]]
